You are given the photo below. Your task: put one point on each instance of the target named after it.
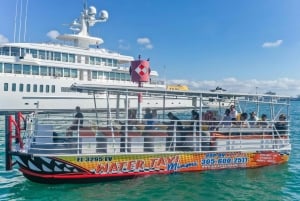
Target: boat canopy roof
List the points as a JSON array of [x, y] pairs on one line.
[[92, 88]]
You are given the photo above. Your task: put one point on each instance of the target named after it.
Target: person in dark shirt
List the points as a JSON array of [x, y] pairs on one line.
[[78, 121], [281, 125]]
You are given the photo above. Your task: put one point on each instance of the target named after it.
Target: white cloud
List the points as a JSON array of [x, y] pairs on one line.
[[145, 42], [123, 45], [281, 86], [3, 39], [272, 44], [53, 34]]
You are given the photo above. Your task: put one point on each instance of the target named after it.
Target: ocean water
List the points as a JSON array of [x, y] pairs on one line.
[[280, 182]]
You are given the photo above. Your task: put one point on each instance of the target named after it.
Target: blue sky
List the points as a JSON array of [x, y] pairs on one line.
[[240, 45]]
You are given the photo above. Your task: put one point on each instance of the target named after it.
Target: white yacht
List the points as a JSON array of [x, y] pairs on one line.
[[39, 75]]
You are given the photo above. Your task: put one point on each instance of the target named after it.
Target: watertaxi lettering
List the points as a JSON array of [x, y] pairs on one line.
[[94, 158], [139, 165]]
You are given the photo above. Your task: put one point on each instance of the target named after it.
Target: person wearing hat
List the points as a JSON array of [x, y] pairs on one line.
[[253, 119]]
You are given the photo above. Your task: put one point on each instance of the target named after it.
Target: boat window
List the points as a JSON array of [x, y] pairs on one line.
[[112, 76], [128, 77], [34, 88], [44, 70], [114, 63], [109, 62], [21, 87], [15, 51], [7, 68], [47, 88], [118, 76], [72, 58], [17, 69], [13, 87], [42, 54], [94, 74], [64, 57], [49, 55], [28, 87], [106, 75], [58, 72], [98, 60], [123, 76], [57, 56], [92, 60], [53, 88], [35, 70], [1, 64], [74, 73], [5, 87], [66, 72], [41, 88], [4, 51], [33, 53], [26, 69]]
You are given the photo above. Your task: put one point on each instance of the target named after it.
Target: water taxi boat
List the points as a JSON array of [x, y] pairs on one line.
[[113, 144]]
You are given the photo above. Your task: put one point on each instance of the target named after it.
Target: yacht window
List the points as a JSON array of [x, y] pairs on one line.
[[1, 64], [44, 70], [94, 74], [5, 51], [41, 88], [114, 63], [28, 87], [21, 87], [118, 76], [42, 54], [106, 75], [92, 60], [58, 72], [15, 51], [5, 87], [128, 78], [47, 88], [13, 87], [33, 53], [74, 73], [98, 60], [72, 58], [123, 76], [49, 55], [112, 76], [7, 68], [100, 74], [35, 70], [26, 69], [109, 62], [17, 69], [64, 57], [66, 72], [57, 56], [53, 88], [34, 88]]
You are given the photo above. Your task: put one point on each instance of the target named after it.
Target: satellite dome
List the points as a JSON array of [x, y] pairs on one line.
[[104, 15], [92, 10]]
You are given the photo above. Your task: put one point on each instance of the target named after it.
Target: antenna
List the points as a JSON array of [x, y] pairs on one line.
[[25, 21], [20, 24], [15, 27]]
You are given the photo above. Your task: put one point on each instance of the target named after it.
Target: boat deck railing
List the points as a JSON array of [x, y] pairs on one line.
[[55, 136]]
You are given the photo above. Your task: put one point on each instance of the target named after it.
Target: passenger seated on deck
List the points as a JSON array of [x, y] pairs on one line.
[[226, 121], [77, 122], [253, 119], [243, 123], [233, 113], [281, 125], [263, 122]]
